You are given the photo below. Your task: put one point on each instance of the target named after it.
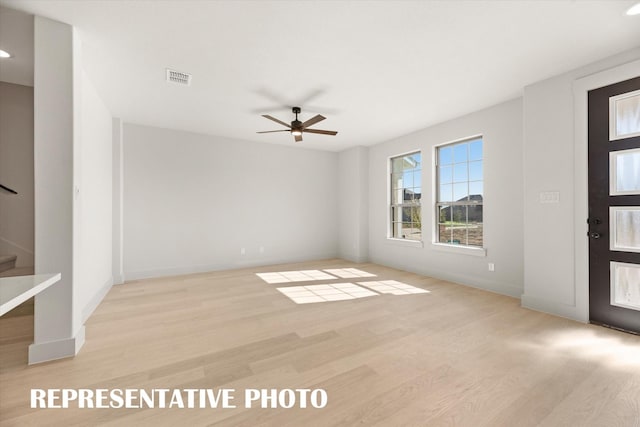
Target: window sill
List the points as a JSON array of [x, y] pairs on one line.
[[458, 249], [405, 242]]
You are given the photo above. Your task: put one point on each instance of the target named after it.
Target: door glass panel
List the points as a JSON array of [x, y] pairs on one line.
[[625, 285], [624, 169], [624, 115], [625, 228]]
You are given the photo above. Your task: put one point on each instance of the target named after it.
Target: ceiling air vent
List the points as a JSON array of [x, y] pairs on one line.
[[178, 77]]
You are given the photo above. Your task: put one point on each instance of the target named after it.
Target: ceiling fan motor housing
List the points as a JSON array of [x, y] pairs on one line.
[[296, 125]]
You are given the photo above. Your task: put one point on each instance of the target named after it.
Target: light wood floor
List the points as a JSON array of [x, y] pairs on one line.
[[456, 356]]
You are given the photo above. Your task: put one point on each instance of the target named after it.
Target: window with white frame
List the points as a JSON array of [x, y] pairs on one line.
[[406, 193], [459, 193]]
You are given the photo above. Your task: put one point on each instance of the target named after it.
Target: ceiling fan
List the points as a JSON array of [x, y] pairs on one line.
[[297, 128]]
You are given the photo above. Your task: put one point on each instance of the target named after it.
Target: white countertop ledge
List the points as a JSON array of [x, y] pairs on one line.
[[16, 290]]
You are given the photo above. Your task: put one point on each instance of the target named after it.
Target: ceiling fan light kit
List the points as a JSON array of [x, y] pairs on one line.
[[297, 128]]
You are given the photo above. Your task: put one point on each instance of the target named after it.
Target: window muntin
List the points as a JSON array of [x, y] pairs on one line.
[[406, 194], [460, 193]]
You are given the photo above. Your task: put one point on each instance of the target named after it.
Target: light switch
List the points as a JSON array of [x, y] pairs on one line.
[[550, 197]]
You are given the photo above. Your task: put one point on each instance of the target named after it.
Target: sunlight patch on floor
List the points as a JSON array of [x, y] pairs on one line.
[[295, 276], [393, 287], [603, 346], [325, 293]]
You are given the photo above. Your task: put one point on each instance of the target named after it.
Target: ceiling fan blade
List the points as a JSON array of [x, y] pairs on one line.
[[323, 132], [313, 121], [270, 131], [266, 116], [298, 138]]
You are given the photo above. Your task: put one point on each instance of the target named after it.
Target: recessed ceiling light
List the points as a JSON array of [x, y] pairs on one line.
[[634, 10], [4, 54]]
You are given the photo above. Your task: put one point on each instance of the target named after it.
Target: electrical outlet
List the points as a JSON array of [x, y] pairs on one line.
[[492, 267], [243, 251], [261, 249]]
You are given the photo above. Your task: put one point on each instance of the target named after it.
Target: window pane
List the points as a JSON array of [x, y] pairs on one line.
[[406, 189], [410, 163], [460, 192], [446, 193], [417, 178], [460, 173], [476, 189], [409, 196], [475, 150], [460, 182], [474, 234], [411, 214], [474, 214], [445, 155], [625, 228], [626, 115], [625, 285], [444, 226], [410, 227], [418, 192], [415, 160], [445, 174], [396, 196], [460, 153], [407, 179], [458, 235], [396, 180], [411, 231], [459, 215], [475, 171], [396, 165], [444, 213], [624, 172]]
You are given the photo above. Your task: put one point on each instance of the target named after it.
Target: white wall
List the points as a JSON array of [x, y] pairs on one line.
[[16, 172], [73, 192], [353, 204], [55, 332], [192, 202], [555, 234], [93, 203], [117, 206], [501, 127]]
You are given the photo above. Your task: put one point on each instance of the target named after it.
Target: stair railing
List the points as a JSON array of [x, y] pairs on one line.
[[8, 189]]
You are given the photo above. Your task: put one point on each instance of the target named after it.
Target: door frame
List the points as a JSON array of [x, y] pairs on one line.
[[580, 179]]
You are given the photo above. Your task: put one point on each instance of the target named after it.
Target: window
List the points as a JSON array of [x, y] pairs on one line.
[[459, 192], [406, 192]]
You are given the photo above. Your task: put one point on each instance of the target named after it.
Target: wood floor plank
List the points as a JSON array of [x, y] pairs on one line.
[[455, 356]]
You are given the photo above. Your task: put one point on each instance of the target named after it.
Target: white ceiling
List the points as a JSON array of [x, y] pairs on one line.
[[375, 69]]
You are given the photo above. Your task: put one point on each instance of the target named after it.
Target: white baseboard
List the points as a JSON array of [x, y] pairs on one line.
[[118, 279], [53, 350], [96, 300], [472, 282], [171, 271], [178, 271], [550, 307], [354, 258]]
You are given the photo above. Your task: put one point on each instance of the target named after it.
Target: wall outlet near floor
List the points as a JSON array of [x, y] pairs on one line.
[[243, 251], [261, 249], [492, 267]]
